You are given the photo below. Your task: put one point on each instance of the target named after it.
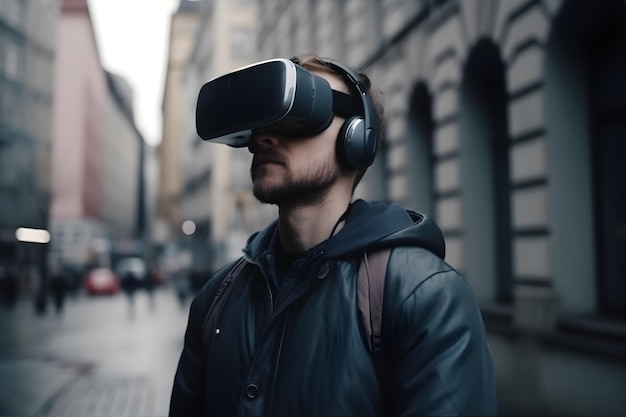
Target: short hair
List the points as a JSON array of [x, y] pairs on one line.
[[314, 62]]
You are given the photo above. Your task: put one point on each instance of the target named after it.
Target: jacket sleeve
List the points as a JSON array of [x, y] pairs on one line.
[[187, 398], [440, 362]]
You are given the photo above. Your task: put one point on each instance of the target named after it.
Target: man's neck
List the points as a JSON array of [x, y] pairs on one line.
[[301, 227]]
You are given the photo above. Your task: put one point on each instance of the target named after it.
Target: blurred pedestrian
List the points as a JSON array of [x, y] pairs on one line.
[[8, 285], [40, 289], [58, 287], [73, 279], [181, 281], [129, 282], [278, 332]]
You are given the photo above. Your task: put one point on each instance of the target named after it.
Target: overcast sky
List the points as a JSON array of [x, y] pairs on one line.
[[132, 38]]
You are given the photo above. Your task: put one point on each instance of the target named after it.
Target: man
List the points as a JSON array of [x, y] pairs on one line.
[[288, 340]]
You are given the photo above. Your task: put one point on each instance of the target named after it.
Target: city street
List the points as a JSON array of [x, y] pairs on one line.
[[98, 358]]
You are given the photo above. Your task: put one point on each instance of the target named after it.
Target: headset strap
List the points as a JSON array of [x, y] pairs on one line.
[[345, 105]]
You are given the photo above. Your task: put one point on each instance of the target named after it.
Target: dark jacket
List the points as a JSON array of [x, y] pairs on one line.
[[301, 350]]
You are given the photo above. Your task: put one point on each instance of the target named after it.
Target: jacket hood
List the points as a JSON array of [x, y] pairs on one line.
[[367, 226]]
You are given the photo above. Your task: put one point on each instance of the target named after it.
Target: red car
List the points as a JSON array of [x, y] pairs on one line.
[[101, 281]]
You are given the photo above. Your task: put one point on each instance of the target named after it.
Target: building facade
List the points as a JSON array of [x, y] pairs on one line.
[[183, 28], [217, 190], [97, 172], [505, 122], [78, 140], [123, 189], [27, 51]]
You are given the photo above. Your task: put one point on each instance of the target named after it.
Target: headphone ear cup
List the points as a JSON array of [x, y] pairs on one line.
[[354, 145], [344, 141]]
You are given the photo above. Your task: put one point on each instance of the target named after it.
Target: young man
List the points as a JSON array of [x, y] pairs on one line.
[[288, 340]]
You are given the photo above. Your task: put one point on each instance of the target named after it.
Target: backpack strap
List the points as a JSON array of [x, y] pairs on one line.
[[370, 292], [212, 315]]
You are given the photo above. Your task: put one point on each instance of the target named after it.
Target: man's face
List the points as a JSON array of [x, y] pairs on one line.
[[287, 171]]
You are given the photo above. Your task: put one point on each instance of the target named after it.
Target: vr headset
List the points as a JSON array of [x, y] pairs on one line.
[[282, 97]]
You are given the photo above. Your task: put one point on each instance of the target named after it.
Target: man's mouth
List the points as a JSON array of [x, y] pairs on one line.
[[267, 159]]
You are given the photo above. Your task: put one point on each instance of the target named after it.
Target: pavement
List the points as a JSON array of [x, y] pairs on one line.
[[98, 358]]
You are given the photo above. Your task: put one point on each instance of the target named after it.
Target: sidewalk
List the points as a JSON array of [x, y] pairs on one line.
[[96, 359]]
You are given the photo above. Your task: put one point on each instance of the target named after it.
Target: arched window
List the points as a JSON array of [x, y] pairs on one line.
[[586, 108], [485, 173], [420, 144]]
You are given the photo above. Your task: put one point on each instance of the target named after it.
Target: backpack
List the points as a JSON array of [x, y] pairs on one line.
[[370, 291]]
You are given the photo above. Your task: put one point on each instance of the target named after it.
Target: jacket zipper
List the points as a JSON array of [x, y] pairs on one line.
[[269, 291], [266, 316], [280, 350], [267, 283]]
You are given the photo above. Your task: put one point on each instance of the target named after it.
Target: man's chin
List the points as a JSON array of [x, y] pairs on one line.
[[269, 191], [288, 196], [263, 189], [264, 197]]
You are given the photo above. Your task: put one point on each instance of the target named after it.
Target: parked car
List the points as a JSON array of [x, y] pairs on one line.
[[101, 281]]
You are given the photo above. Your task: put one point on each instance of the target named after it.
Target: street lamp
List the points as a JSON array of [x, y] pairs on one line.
[[26, 234]]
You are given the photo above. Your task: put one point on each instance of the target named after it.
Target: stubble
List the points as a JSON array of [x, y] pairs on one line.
[[294, 188]]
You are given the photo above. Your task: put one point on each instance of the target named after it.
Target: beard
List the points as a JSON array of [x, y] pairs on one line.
[[304, 188]]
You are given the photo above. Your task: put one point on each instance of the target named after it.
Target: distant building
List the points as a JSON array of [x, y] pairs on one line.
[[217, 194], [123, 210], [183, 29], [27, 52], [80, 97], [506, 122], [98, 206]]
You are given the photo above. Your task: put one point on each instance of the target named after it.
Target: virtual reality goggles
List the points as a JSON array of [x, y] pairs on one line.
[[276, 96]]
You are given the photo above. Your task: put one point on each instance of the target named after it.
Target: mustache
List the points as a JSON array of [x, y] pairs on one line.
[[261, 157]]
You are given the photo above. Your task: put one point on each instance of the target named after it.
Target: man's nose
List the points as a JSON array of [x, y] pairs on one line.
[[262, 140]]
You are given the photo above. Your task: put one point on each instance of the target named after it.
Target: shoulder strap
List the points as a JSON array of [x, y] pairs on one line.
[[210, 320], [370, 292]]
